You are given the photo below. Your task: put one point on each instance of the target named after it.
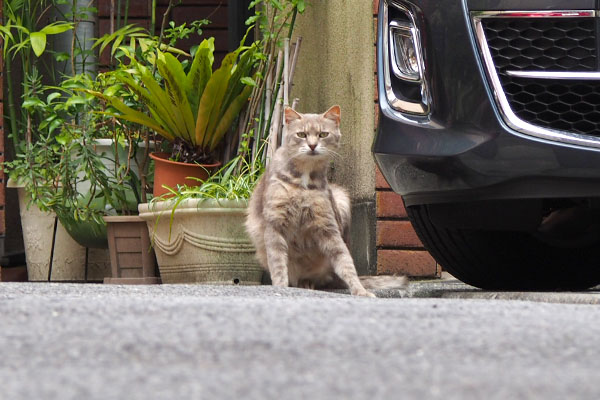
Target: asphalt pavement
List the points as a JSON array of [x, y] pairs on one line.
[[70, 341]]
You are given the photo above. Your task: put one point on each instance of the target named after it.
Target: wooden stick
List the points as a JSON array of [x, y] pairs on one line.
[[294, 61], [275, 117], [286, 72]]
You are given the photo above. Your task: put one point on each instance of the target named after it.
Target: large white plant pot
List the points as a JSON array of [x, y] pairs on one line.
[[68, 261], [207, 243]]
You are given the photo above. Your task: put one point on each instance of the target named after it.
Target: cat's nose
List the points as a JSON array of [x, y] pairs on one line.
[[312, 146]]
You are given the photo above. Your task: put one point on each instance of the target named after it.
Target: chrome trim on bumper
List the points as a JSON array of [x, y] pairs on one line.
[[509, 117], [535, 14], [582, 76], [404, 107]]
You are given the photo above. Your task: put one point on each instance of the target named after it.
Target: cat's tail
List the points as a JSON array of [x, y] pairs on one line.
[[383, 282]]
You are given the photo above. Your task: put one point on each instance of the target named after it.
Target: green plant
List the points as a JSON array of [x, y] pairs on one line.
[[61, 170], [234, 181], [274, 21], [197, 107], [24, 38]]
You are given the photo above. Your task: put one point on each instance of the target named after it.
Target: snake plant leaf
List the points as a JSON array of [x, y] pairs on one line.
[[155, 95], [218, 85], [155, 101], [158, 93], [172, 72], [200, 73], [131, 115], [235, 86], [229, 116], [210, 103]]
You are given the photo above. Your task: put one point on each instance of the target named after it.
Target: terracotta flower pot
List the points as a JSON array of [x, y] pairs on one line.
[[173, 173]]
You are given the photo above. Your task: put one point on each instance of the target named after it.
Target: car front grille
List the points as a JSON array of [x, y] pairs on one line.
[[564, 108], [571, 106], [555, 44]]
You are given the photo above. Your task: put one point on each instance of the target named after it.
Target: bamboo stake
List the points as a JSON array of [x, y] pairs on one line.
[[275, 116], [286, 71], [294, 61]]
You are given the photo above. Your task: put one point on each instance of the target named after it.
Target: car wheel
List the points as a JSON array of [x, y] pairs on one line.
[[510, 260]]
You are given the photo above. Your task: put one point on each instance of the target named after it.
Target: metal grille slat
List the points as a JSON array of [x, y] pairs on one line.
[[553, 44], [523, 47]]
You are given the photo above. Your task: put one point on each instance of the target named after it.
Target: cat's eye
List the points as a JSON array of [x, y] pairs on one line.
[[301, 135], [323, 134]]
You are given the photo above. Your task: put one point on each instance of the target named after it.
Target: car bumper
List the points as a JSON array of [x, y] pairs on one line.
[[464, 150]]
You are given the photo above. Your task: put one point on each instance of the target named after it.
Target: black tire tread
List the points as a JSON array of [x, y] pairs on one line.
[[502, 260]]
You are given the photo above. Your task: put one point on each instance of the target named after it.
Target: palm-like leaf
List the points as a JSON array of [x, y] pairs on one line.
[[198, 107]]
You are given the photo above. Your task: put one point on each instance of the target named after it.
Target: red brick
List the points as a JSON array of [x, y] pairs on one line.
[[2, 221], [215, 14], [417, 263], [397, 234], [375, 7], [13, 274], [375, 59], [195, 2], [380, 182], [137, 8], [374, 30], [390, 205]]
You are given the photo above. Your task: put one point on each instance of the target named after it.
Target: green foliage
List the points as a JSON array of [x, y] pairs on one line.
[[176, 32], [234, 181], [199, 106], [20, 33], [62, 158]]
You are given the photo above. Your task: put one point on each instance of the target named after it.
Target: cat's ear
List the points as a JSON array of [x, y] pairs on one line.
[[291, 115], [334, 114]]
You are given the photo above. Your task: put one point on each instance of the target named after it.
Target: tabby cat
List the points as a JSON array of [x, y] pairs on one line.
[[298, 221]]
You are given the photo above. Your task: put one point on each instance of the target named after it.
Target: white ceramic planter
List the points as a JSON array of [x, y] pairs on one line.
[[107, 147], [207, 243], [68, 261]]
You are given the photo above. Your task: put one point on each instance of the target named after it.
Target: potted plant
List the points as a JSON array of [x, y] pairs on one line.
[[198, 234], [198, 230], [192, 110], [80, 166]]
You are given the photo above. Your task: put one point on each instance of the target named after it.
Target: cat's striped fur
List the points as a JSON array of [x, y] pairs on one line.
[[298, 221]]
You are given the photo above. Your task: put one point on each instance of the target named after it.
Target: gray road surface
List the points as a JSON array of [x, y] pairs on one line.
[[66, 341]]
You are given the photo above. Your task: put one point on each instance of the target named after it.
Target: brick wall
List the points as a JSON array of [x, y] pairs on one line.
[[399, 250], [187, 11], [2, 176]]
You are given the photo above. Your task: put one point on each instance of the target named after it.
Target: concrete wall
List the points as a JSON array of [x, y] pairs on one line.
[[336, 64]]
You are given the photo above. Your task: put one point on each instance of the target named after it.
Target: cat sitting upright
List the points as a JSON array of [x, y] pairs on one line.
[[298, 221]]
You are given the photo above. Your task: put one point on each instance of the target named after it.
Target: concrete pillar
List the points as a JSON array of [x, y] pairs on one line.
[[336, 66]]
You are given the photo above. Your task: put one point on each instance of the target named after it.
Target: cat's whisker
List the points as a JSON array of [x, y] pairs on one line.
[[334, 154]]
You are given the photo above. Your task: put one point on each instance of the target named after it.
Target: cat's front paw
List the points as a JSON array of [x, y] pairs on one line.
[[362, 292]]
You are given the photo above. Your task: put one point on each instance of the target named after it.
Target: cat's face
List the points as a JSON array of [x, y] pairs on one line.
[[312, 136]]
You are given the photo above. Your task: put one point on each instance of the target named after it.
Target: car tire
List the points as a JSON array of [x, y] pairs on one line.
[[507, 260]]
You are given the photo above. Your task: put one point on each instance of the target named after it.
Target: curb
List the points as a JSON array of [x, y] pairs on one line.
[[454, 289]]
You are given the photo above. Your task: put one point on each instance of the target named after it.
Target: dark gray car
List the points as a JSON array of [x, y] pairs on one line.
[[490, 129]]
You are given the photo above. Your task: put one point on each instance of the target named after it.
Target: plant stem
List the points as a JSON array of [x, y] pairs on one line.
[[11, 104], [118, 14], [162, 32], [153, 18], [126, 12]]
